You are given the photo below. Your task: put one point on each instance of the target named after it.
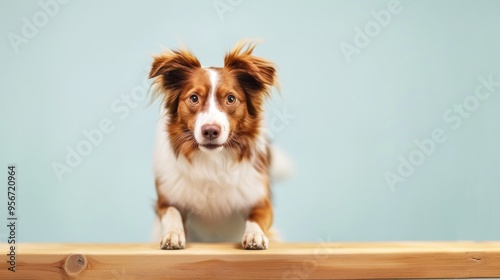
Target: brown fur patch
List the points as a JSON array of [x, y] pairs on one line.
[[161, 203], [262, 214]]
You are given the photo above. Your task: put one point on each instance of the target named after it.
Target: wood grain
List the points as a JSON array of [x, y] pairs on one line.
[[282, 261]]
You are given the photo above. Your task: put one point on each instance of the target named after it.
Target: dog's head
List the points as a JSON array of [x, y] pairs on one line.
[[213, 108]]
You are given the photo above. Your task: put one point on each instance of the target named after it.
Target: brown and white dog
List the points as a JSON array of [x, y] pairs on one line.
[[212, 157]]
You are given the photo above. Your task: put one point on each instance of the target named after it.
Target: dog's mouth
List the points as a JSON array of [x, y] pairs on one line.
[[211, 146]]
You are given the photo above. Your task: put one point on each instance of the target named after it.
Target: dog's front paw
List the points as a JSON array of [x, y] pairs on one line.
[[173, 240], [255, 241]]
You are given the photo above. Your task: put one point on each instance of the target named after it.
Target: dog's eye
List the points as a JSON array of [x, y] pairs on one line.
[[230, 99], [193, 98]]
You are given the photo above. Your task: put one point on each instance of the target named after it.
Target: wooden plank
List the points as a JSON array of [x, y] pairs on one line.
[[282, 261]]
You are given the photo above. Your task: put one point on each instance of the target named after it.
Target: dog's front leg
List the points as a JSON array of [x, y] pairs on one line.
[[172, 228], [258, 223]]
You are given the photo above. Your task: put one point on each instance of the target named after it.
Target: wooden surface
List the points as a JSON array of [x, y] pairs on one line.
[[282, 261]]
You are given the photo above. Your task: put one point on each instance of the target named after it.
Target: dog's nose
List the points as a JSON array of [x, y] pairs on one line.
[[210, 131]]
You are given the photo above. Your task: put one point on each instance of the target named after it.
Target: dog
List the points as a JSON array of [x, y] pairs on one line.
[[212, 158]]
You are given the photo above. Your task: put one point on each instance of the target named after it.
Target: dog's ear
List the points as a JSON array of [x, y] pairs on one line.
[[255, 75], [171, 70]]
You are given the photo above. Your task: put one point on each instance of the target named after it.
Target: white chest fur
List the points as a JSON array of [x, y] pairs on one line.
[[213, 187]]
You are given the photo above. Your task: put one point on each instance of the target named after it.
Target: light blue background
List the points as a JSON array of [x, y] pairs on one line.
[[351, 120]]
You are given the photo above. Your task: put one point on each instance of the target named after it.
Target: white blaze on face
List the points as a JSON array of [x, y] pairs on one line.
[[212, 115]]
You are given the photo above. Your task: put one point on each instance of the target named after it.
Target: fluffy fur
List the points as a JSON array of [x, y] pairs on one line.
[[212, 158]]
